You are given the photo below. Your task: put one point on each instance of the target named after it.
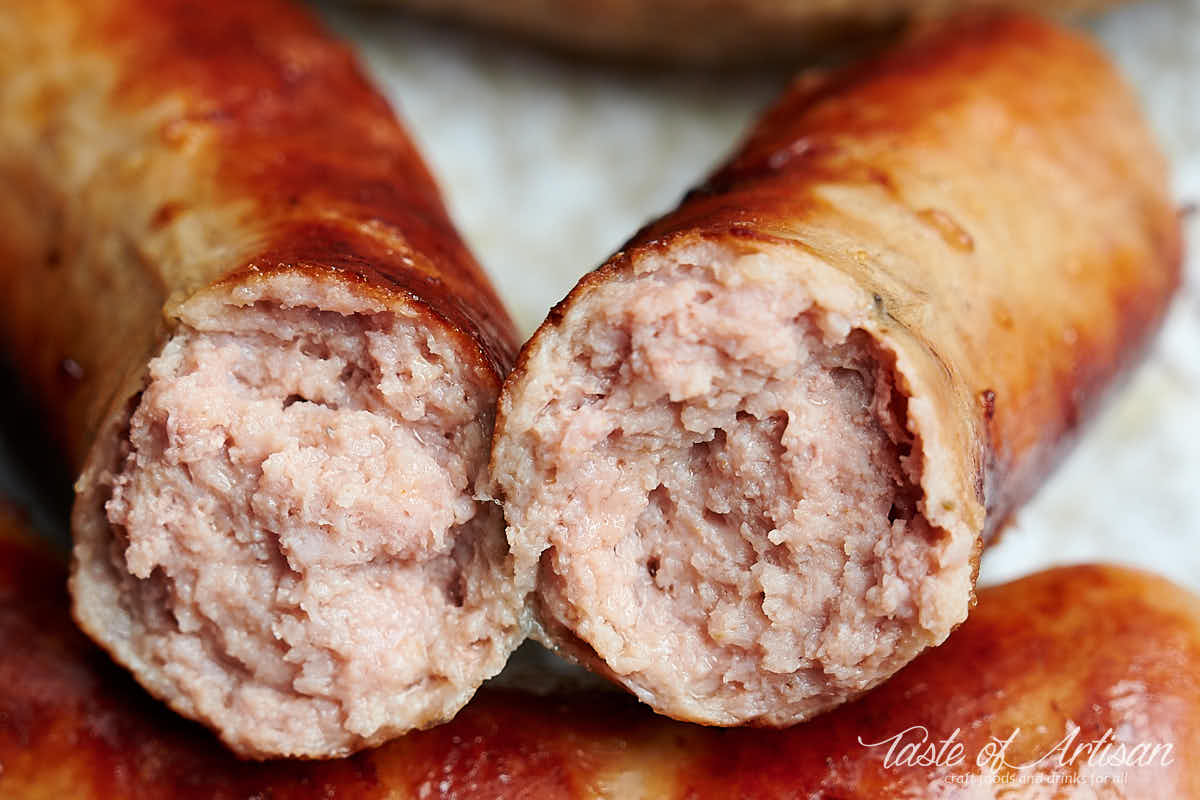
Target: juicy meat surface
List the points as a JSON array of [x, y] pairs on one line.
[[723, 496], [881, 218], [295, 529]]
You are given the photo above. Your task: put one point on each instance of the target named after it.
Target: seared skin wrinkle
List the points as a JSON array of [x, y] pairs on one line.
[[1095, 647], [232, 283], [748, 465]]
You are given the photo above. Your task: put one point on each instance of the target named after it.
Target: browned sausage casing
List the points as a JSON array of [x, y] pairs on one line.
[[233, 283], [1051, 663], [749, 463]]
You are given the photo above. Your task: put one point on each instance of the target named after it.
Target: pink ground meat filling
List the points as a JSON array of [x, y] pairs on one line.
[[727, 496], [295, 527]]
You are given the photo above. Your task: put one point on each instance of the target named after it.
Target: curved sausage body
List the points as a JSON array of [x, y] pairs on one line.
[[748, 464], [1051, 664], [233, 284]]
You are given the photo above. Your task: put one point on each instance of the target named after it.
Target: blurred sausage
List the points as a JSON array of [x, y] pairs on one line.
[[715, 31], [1087, 650]]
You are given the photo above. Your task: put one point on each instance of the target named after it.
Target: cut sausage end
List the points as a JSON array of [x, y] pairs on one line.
[[715, 482], [295, 554]]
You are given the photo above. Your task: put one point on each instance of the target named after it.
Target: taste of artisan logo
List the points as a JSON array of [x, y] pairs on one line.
[[915, 747]]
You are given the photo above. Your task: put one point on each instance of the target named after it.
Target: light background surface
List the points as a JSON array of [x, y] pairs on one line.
[[548, 165]]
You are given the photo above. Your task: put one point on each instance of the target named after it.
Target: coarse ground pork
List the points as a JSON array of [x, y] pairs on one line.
[[716, 485], [295, 539]]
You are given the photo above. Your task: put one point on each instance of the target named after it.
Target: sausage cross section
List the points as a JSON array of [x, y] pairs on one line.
[[1084, 674], [749, 463], [232, 282]]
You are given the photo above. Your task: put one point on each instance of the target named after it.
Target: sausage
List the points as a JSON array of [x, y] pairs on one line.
[[749, 463], [1104, 652], [715, 32], [232, 283]]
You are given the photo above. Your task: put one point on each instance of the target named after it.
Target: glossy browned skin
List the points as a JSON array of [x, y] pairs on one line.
[[1101, 647], [985, 202], [1040, 276], [713, 31], [160, 159], [984, 104], [245, 116]]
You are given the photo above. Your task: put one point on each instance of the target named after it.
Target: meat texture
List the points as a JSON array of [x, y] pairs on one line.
[[1051, 663], [748, 464], [232, 282]]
